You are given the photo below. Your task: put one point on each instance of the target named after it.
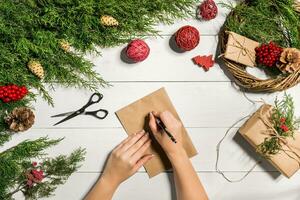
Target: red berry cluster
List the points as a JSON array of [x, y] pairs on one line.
[[12, 92], [34, 176], [283, 126], [268, 54]]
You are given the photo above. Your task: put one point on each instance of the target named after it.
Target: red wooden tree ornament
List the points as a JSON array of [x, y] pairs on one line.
[[205, 62]]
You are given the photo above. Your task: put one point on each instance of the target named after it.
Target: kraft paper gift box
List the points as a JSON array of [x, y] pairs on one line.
[[255, 131], [241, 49], [134, 118]]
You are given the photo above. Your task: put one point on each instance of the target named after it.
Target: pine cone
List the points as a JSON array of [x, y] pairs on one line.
[[289, 60], [20, 119], [65, 45], [107, 20], [36, 68]]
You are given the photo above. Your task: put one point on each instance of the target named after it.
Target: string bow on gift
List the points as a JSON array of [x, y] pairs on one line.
[[273, 133], [241, 45]]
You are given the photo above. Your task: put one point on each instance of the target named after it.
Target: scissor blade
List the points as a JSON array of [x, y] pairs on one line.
[[62, 114], [69, 117]]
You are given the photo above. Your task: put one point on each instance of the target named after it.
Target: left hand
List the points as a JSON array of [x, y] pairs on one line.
[[127, 158]]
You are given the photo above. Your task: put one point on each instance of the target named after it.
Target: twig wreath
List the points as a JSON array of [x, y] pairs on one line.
[[274, 25]]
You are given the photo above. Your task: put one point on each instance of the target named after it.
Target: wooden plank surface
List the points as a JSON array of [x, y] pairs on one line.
[[236, 154], [208, 103], [163, 63], [200, 104], [258, 186]]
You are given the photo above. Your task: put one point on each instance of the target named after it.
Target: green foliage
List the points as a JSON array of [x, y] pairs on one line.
[[285, 109], [16, 161], [10, 160], [57, 172], [283, 114], [33, 29], [265, 21], [4, 137]]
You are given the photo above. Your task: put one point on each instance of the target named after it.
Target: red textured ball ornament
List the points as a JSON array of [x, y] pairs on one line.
[[137, 50], [187, 38], [208, 10]]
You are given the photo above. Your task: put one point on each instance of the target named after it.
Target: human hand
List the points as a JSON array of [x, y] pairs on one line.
[[174, 127], [127, 158]]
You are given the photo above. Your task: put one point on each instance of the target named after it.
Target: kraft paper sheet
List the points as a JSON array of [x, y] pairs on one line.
[[135, 117]]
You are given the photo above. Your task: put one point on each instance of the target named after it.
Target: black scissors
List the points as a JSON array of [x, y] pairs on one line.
[[95, 98]]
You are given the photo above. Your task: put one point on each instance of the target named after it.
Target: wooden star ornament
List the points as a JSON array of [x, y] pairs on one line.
[[205, 62]]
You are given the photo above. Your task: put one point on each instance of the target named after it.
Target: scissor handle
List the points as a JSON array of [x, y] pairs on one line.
[[95, 98], [97, 114]]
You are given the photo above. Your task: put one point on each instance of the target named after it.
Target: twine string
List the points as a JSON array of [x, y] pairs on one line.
[[218, 149], [218, 170], [272, 132], [240, 45]]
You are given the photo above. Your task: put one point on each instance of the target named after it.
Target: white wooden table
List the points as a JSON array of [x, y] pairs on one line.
[[207, 102]]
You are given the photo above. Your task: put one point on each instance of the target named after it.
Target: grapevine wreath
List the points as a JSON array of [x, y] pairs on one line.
[[274, 25]]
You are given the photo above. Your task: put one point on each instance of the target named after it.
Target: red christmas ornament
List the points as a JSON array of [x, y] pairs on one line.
[[187, 38], [137, 50], [268, 54], [208, 10], [12, 92], [205, 62]]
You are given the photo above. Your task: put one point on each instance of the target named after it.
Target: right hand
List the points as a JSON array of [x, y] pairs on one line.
[[174, 126]]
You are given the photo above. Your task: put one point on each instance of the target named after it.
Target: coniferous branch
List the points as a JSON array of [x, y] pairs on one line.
[[285, 123], [16, 161], [276, 21], [33, 29], [57, 170], [4, 137]]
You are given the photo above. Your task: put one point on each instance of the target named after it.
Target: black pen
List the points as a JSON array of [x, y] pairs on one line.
[[164, 128]]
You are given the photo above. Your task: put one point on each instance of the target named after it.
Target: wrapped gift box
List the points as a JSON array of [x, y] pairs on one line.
[[254, 131], [241, 49]]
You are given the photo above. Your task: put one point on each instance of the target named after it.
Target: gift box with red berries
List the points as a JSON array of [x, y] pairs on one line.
[[258, 128]]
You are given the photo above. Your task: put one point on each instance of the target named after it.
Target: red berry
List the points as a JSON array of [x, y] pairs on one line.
[[12, 92], [268, 54], [284, 128], [6, 100]]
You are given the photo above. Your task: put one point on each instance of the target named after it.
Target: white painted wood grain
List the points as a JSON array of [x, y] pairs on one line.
[[258, 186], [236, 155], [163, 63], [207, 102], [200, 104]]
